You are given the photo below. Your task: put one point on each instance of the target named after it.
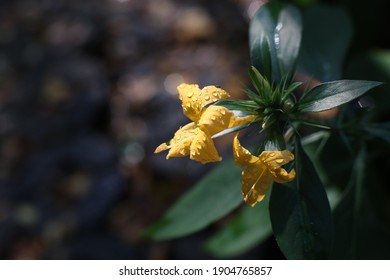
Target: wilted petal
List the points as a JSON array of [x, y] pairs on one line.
[[195, 99], [203, 149], [242, 156]]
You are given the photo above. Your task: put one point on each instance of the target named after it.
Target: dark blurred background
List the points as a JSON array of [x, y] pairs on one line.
[[88, 90]]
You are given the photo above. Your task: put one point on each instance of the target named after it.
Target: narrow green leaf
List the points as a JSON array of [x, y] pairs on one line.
[[214, 196], [260, 83], [266, 59], [254, 97], [332, 94], [231, 130], [300, 213], [291, 88], [249, 228], [245, 105], [325, 41], [274, 39], [288, 40]]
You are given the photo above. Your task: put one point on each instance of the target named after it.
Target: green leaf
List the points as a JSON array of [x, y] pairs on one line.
[[260, 83], [245, 105], [325, 40], [290, 89], [274, 39], [255, 97], [300, 213], [214, 196], [231, 130], [249, 228], [332, 94]]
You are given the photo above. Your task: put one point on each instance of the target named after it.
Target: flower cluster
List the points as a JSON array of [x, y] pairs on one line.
[[195, 140], [287, 108]]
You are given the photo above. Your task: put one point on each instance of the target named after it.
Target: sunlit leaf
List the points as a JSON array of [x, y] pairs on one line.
[[244, 106], [332, 94], [214, 196], [300, 213]]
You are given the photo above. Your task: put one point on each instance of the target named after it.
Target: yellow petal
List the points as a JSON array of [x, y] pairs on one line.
[[212, 93], [255, 182], [189, 96], [202, 148], [195, 99], [274, 160], [242, 156], [282, 176], [236, 121], [161, 148], [215, 119], [181, 141]]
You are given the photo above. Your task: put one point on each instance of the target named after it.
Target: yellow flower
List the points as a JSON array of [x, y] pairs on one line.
[[261, 171], [194, 139]]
